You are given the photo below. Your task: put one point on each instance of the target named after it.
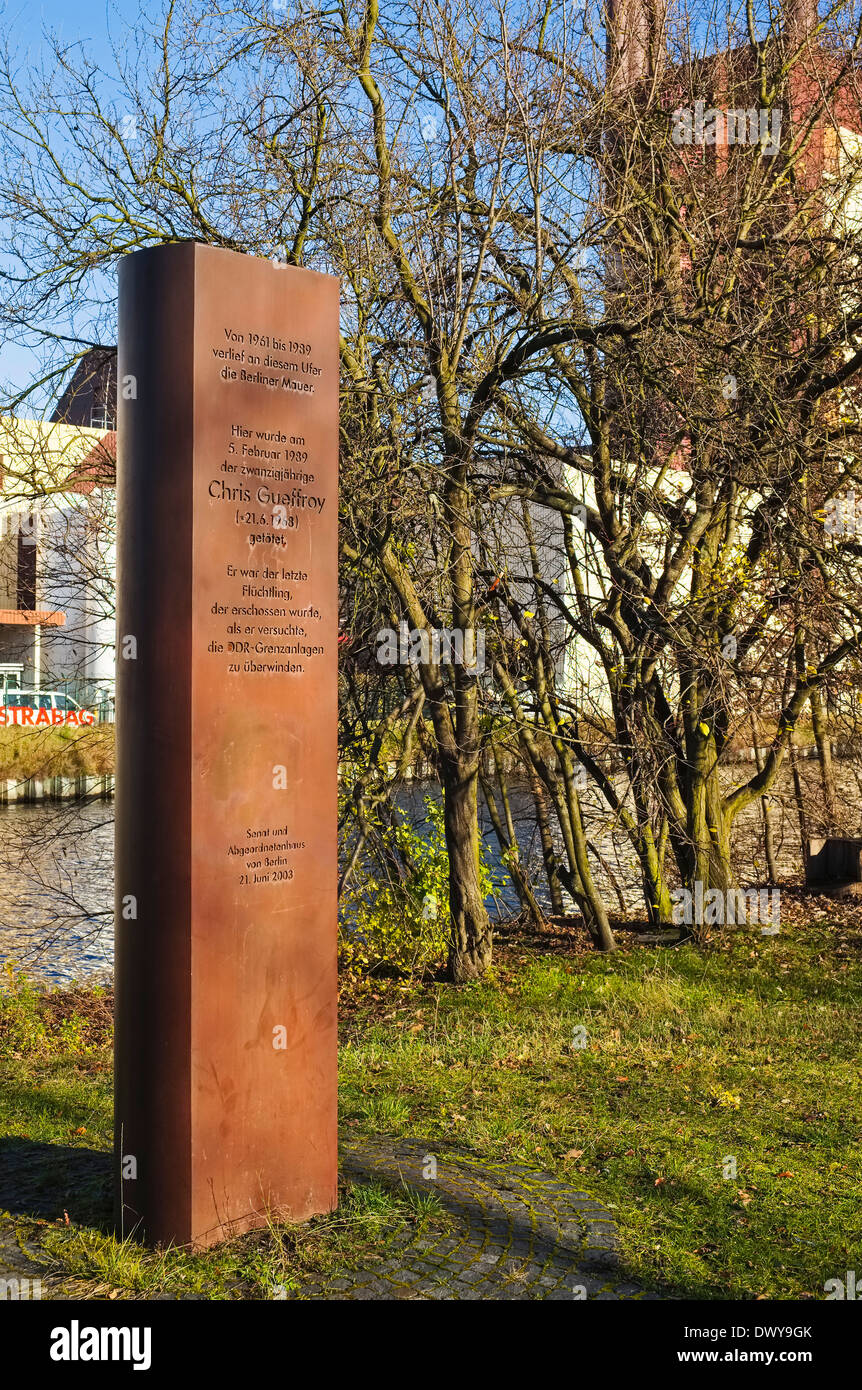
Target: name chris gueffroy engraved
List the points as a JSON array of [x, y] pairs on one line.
[[265, 639]]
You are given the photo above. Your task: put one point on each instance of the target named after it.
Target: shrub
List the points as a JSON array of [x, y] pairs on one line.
[[401, 923]]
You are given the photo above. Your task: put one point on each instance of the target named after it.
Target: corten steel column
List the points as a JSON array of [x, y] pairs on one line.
[[226, 859]]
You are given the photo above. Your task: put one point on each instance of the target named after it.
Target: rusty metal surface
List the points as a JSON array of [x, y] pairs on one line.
[[226, 795]]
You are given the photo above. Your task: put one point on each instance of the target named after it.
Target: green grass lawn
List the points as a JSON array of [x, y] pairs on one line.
[[643, 1077]]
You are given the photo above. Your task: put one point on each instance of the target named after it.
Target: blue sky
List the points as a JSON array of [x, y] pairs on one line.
[[84, 18], [27, 21]]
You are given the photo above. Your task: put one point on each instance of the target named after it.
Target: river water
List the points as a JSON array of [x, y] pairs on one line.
[[56, 889], [56, 873], [57, 882]]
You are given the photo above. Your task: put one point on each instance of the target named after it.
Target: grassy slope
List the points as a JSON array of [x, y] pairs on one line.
[[748, 1049], [56, 1097], [645, 1114]]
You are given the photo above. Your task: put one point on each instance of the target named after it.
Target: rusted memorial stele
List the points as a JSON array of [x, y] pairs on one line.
[[226, 736]]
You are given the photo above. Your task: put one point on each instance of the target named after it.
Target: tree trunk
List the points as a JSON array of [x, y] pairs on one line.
[[471, 937], [549, 856], [765, 808], [592, 905], [824, 754], [708, 826], [798, 797], [509, 851]]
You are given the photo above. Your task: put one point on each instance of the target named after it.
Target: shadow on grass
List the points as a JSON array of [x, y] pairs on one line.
[[50, 1180], [493, 1206]]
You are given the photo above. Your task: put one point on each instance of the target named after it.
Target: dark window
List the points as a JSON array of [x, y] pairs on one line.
[[26, 573]]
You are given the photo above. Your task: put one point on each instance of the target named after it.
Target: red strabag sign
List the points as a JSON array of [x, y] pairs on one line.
[[20, 714]]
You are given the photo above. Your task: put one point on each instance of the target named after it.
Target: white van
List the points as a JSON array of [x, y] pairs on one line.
[[42, 709]]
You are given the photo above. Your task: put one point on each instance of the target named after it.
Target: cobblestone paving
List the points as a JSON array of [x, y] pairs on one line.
[[20, 1276], [515, 1233], [511, 1233]]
